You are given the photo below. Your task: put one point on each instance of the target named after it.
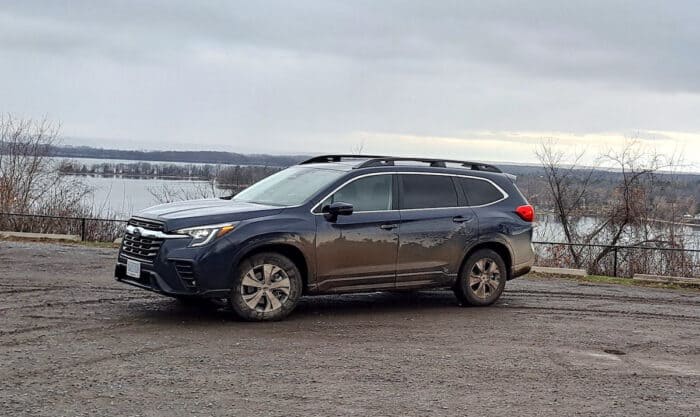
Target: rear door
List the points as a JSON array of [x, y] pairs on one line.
[[359, 251], [435, 229]]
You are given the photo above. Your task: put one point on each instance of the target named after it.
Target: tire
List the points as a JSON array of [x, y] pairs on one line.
[[266, 287], [482, 279]]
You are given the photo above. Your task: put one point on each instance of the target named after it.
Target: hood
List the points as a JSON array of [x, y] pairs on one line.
[[202, 212]]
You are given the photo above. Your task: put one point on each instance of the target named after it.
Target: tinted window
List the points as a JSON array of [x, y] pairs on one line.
[[371, 193], [427, 191], [480, 192]]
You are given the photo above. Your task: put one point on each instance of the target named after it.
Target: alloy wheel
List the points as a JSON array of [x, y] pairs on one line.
[[265, 288], [484, 278]]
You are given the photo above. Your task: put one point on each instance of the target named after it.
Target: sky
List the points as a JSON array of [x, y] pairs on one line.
[[459, 79]]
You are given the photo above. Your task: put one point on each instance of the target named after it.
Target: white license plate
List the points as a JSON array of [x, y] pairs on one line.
[[133, 268]]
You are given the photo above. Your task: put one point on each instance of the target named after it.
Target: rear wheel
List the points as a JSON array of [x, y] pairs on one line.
[[267, 287], [482, 279]]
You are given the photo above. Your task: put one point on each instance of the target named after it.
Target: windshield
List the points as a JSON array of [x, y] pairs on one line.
[[290, 187]]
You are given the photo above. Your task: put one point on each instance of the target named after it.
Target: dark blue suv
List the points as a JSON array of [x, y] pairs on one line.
[[337, 224]]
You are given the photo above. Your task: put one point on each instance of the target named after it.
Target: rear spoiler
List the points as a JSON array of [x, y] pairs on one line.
[[511, 177]]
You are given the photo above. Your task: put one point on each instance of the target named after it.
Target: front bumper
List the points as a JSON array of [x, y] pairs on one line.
[[178, 270], [149, 280]]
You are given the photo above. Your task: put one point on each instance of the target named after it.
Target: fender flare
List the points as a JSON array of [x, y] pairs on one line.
[[484, 241], [279, 239]]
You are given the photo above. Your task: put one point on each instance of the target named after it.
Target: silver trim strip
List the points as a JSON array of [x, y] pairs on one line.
[[408, 274], [151, 234], [358, 277], [505, 194]]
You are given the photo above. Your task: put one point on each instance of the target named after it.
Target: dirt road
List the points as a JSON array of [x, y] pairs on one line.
[[74, 342]]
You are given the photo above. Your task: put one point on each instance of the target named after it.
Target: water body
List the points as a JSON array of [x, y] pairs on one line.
[[124, 196]]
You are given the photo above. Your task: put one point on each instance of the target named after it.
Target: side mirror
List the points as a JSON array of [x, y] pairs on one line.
[[332, 211]]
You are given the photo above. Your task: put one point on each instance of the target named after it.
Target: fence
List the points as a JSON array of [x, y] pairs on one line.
[[88, 228], [621, 261]]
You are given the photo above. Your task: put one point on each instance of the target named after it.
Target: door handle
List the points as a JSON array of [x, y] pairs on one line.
[[389, 226], [462, 219]]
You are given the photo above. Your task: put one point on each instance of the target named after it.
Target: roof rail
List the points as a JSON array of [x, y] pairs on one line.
[[442, 163], [378, 161], [336, 158]]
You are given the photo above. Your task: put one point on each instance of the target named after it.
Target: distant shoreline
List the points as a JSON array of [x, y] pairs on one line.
[[178, 157], [136, 176]]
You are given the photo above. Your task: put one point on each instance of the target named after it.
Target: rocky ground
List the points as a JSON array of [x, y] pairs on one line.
[[74, 342]]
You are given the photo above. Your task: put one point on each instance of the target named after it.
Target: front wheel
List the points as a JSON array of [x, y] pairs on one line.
[[267, 287], [482, 279]]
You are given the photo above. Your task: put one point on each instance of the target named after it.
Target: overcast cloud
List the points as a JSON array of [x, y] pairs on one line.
[[462, 79]]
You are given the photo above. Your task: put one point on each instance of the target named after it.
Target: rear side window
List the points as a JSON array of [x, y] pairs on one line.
[[480, 192], [427, 191], [373, 193]]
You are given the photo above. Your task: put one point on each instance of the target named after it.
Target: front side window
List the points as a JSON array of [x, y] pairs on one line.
[[290, 187], [372, 193], [480, 192], [427, 191]]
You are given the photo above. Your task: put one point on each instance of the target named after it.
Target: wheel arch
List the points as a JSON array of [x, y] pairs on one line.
[[290, 251], [500, 248]]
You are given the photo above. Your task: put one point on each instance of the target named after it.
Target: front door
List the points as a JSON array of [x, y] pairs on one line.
[[358, 252]]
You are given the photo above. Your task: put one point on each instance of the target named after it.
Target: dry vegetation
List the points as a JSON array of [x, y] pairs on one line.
[[30, 183], [631, 213]]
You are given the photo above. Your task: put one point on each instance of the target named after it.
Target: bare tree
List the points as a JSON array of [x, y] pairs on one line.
[[169, 193], [358, 148], [568, 185], [31, 183], [29, 178], [626, 212], [24, 148], [627, 217]]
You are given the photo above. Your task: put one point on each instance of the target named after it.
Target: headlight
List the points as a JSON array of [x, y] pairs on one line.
[[202, 235]]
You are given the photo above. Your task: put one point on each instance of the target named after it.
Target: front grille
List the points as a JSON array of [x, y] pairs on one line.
[[140, 248], [147, 224], [186, 272]]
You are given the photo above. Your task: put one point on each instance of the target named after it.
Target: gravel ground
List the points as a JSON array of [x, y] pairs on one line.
[[74, 342]]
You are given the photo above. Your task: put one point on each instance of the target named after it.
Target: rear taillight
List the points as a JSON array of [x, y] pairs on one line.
[[526, 213]]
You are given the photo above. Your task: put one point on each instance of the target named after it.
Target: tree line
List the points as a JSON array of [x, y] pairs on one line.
[[209, 157], [224, 177]]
